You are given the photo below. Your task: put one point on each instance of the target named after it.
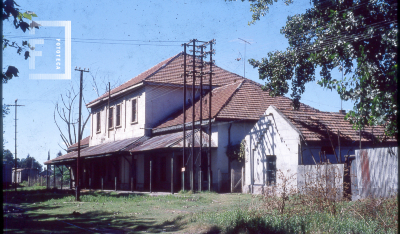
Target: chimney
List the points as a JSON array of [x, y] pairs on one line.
[[342, 112]]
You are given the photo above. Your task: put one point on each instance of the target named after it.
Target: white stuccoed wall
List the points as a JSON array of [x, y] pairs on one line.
[[127, 128], [154, 104], [271, 135], [162, 101], [220, 137]]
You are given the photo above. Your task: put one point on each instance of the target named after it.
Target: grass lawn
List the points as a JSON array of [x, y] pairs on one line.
[[36, 210], [41, 211]]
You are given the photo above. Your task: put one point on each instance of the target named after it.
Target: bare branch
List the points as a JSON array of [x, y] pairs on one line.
[[59, 129], [84, 124], [62, 147]]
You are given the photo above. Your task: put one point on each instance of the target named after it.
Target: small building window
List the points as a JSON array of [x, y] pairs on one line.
[[271, 170], [327, 149], [110, 118], [118, 116], [98, 122], [134, 110]]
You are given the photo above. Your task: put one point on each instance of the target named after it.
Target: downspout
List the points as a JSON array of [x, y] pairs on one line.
[[229, 158]]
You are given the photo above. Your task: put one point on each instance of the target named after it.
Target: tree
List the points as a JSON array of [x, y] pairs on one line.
[[357, 37], [30, 162], [67, 109], [66, 112], [10, 9], [8, 157]]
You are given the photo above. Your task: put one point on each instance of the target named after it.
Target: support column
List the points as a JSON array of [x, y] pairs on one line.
[[172, 172], [200, 181], [70, 178], [242, 179], [219, 180], [62, 177], [232, 179], [55, 186], [183, 178], [151, 176], [133, 182]]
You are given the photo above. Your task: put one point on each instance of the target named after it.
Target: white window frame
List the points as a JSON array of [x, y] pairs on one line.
[[98, 122], [134, 121], [120, 115], [112, 117]]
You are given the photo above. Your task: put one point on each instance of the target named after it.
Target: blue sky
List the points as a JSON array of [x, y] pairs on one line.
[[118, 40]]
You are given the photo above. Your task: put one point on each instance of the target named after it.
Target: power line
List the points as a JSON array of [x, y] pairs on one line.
[[103, 41]]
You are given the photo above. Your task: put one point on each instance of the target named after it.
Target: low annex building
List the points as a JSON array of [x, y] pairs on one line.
[[136, 141]]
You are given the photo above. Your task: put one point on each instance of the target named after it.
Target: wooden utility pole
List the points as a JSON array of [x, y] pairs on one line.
[[193, 116], [47, 173], [15, 163], [77, 181], [1, 86], [184, 117], [209, 121]]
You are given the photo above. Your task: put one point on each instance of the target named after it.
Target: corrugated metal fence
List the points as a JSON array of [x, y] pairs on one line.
[[377, 172], [325, 180]]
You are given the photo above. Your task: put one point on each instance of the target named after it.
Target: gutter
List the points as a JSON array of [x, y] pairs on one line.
[[180, 126]]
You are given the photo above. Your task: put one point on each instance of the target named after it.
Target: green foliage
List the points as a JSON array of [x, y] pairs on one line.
[[236, 152], [358, 38], [8, 157], [11, 10], [30, 162]]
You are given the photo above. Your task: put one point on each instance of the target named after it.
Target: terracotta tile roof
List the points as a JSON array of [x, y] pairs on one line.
[[245, 100], [314, 126], [220, 97], [84, 142], [249, 102], [170, 71], [240, 100]]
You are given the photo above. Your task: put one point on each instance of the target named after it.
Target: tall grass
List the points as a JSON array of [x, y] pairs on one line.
[[314, 207], [347, 220]]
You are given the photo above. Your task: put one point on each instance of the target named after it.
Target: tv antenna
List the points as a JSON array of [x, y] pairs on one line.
[[244, 59]]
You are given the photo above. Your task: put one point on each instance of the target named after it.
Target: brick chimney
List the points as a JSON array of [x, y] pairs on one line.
[[342, 112]]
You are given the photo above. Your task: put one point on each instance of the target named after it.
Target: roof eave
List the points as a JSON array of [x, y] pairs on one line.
[[179, 126], [90, 105]]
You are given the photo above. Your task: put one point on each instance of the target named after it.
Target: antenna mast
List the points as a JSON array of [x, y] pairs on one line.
[[244, 60]]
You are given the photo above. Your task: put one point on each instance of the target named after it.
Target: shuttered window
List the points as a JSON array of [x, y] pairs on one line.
[[118, 116], [134, 110], [98, 122], [110, 118]]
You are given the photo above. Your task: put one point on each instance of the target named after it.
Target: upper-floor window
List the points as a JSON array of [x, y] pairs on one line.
[[134, 110], [118, 116], [110, 117], [98, 122]]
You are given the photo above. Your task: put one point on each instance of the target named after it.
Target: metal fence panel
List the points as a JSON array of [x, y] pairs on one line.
[[377, 172]]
